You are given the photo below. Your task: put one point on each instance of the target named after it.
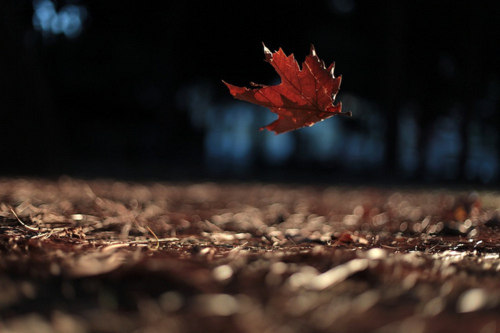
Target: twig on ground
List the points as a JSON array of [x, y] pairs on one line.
[[157, 240], [22, 223]]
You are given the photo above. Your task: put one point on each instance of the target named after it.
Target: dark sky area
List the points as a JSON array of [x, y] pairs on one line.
[[132, 89]]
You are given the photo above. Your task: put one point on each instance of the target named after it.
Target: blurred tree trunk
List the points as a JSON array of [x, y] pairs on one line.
[[29, 126], [475, 65], [396, 62]]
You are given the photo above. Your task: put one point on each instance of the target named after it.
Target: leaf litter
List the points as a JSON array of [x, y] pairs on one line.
[[102, 256]]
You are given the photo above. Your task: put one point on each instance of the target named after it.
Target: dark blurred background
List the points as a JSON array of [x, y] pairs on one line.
[[132, 89]]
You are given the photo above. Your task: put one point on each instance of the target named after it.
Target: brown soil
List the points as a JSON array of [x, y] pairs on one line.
[[103, 256]]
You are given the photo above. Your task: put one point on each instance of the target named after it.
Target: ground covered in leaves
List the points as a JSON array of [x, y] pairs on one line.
[[106, 256]]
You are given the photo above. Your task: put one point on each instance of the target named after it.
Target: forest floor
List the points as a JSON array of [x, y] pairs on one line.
[[109, 256]]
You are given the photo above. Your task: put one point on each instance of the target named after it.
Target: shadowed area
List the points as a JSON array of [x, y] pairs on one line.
[[133, 90]]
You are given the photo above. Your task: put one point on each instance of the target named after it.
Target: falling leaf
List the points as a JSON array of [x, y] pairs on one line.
[[304, 96]]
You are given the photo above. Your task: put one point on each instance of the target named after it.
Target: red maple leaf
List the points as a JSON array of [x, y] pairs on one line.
[[304, 96]]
